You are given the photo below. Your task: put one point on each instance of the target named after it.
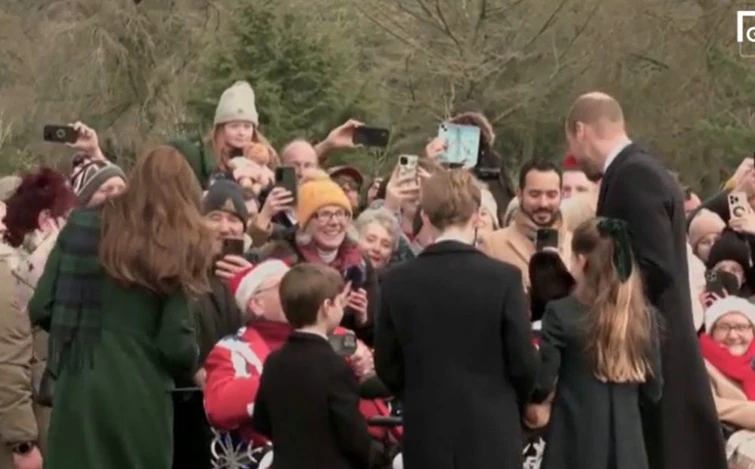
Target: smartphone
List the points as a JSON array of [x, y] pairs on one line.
[[546, 238], [463, 145], [344, 345], [355, 275], [407, 165], [739, 206], [371, 136], [285, 177], [60, 134], [233, 246], [721, 283]]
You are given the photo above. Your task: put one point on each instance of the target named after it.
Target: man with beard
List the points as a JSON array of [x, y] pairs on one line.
[[539, 200], [682, 430]]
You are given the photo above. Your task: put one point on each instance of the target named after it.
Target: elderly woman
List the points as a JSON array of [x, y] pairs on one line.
[[728, 349], [323, 215], [378, 232]]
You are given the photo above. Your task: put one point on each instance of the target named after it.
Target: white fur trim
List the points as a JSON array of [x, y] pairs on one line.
[[727, 305], [241, 355], [252, 280]]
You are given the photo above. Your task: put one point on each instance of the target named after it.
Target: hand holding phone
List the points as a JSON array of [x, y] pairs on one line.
[[285, 177], [463, 145], [60, 134], [546, 238], [371, 136], [344, 345], [739, 205], [233, 246]]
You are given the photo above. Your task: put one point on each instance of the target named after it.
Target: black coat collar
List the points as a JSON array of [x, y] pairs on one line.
[[448, 247]]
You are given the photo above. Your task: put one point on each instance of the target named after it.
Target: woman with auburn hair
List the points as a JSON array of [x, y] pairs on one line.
[[37, 208], [600, 352], [114, 296]]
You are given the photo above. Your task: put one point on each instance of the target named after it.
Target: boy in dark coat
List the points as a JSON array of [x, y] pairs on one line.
[[308, 403]]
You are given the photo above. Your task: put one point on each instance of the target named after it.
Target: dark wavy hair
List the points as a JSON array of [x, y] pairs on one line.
[[44, 189]]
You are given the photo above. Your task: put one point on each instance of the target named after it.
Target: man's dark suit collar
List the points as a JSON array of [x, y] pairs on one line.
[[447, 247], [614, 166]]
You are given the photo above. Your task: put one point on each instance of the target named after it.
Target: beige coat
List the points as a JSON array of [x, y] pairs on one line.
[[23, 351], [734, 408], [514, 244]]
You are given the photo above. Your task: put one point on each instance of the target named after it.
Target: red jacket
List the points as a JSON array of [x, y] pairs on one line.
[[234, 367]]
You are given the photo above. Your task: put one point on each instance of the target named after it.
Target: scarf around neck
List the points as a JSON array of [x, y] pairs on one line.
[[736, 368], [77, 304], [348, 255]]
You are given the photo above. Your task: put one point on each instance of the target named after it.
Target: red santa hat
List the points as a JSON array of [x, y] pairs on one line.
[[570, 163], [246, 283]]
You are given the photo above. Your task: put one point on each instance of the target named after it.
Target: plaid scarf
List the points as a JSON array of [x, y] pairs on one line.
[[76, 310]]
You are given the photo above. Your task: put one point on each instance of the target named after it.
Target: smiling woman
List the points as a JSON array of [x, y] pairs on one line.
[[378, 232]]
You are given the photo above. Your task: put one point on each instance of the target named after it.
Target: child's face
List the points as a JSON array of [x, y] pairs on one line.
[[238, 134], [332, 310]]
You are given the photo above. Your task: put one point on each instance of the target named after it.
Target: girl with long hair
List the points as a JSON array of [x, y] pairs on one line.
[[114, 296], [600, 352], [235, 136]]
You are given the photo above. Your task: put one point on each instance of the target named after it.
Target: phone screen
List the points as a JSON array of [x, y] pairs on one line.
[[355, 275], [463, 144], [285, 177], [546, 238], [371, 136], [233, 246], [60, 134]]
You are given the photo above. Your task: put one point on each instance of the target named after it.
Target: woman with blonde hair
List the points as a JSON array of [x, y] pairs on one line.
[[114, 296], [599, 349]]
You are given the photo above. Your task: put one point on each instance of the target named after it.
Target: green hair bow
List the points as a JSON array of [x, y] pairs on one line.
[[622, 251]]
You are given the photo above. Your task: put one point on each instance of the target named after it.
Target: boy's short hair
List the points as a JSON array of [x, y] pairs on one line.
[[450, 198], [305, 288]]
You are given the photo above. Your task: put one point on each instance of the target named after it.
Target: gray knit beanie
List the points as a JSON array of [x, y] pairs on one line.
[[87, 179], [237, 103], [225, 196]]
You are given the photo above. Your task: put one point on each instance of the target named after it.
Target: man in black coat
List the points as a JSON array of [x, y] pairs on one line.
[[682, 431], [453, 341]]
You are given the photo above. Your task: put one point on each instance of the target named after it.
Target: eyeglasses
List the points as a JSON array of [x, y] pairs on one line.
[[324, 216], [738, 328]]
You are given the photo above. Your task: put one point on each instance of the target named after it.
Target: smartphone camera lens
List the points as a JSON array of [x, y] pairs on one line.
[[403, 161], [60, 133]]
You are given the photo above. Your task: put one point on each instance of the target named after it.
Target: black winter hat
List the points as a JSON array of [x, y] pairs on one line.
[[549, 280], [226, 196], [730, 247]]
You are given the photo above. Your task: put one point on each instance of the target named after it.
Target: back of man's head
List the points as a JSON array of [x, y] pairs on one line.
[[450, 198], [597, 110]]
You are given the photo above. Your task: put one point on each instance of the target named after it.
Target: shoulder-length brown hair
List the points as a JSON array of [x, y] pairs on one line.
[[620, 323], [153, 235]]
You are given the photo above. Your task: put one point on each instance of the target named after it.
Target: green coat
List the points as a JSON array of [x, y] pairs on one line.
[[118, 414]]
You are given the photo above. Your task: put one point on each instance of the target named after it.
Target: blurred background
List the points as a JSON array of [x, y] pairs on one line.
[[142, 71]]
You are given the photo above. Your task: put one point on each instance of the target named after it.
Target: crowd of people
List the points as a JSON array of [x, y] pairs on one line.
[[193, 312]]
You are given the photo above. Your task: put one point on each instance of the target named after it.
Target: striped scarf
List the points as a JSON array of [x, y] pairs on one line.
[[77, 306]]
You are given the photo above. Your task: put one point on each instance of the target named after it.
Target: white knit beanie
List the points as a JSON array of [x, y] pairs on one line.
[[237, 103], [726, 305], [245, 284]]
